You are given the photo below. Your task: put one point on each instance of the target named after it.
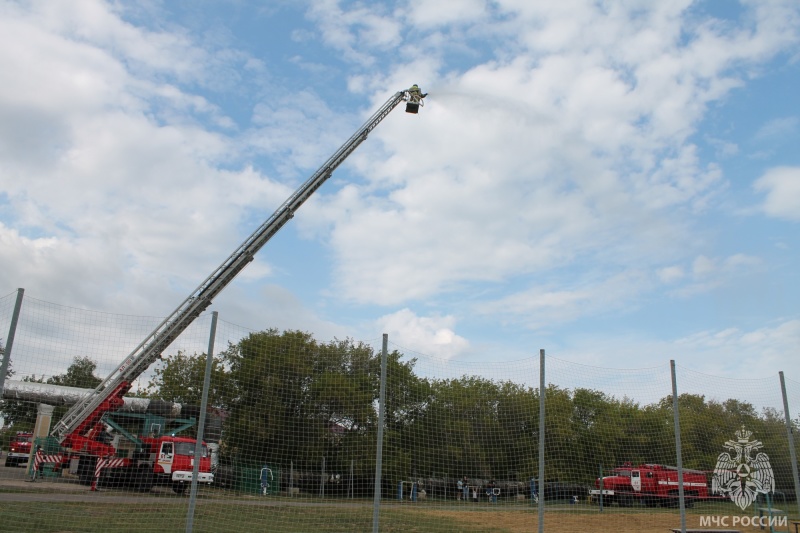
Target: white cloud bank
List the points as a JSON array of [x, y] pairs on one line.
[[553, 175]]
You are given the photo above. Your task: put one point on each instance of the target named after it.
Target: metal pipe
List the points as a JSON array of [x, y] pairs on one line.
[[31, 391]]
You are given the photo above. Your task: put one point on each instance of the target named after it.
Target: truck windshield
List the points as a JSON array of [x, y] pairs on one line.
[[624, 473], [187, 448]]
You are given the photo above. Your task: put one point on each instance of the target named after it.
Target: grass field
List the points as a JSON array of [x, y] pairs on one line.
[[257, 515]]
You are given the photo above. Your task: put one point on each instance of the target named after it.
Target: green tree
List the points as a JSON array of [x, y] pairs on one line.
[[179, 378], [297, 400], [79, 374]]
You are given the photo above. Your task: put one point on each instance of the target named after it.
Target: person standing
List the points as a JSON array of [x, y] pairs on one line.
[[491, 491], [460, 489], [465, 488]]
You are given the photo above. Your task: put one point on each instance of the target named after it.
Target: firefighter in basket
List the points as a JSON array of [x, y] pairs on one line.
[[413, 98]]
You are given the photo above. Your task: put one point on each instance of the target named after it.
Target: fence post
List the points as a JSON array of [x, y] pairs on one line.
[[376, 501], [678, 454], [201, 424], [790, 437], [601, 487], [541, 440], [12, 331], [322, 480]]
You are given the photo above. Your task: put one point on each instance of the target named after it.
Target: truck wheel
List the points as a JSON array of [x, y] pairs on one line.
[[143, 479], [626, 500], [179, 488], [673, 499], [113, 478]]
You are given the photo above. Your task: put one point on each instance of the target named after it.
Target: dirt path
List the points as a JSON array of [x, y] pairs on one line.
[[574, 523]]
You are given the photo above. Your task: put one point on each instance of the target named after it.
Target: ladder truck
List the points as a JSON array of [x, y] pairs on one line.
[[82, 432]]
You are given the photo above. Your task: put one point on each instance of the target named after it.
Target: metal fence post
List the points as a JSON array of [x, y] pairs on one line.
[[376, 501], [541, 440], [678, 454], [12, 331], [790, 437], [198, 445], [601, 487], [322, 480]]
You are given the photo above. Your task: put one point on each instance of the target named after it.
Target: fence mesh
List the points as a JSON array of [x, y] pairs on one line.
[[292, 424]]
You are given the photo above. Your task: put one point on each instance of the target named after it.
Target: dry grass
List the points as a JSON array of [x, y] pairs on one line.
[[511, 521]]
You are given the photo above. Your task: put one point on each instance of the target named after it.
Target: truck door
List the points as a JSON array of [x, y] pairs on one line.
[[166, 456], [636, 481]]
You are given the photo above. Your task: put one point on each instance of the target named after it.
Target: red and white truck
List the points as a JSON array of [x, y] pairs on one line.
[[140, 463], [650, 484], [19, 449]]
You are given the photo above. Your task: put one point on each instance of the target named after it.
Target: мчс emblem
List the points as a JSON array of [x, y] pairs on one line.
[[742, 476]]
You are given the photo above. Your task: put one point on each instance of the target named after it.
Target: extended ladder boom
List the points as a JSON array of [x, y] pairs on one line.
[[89, 411]]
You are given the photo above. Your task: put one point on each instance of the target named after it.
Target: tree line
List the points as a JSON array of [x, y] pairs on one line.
[[288, 399], [291, 399]]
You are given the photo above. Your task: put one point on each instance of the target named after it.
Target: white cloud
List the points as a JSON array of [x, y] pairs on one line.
[[724, 149], [432, 335], [445, 14], [777, 128], [355, 30], [706, 361], [781, 185], [759, 352], [709, 273], [670, 274], [529, 163], [541, 307], [551, 177], [106, 169], [703, 267]]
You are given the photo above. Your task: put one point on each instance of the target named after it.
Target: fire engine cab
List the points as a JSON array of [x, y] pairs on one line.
[[19, 449]]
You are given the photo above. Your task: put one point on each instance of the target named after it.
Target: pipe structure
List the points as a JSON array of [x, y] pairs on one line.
[[31, 391]]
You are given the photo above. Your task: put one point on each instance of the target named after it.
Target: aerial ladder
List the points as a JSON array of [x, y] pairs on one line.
[[79, 428]]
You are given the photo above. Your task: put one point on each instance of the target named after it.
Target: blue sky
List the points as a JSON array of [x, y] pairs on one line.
[[615, 182]]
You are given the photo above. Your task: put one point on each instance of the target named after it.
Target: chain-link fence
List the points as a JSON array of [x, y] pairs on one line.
[[303, 434]]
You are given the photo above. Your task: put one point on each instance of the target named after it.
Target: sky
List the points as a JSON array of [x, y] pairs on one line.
[[616, 182]]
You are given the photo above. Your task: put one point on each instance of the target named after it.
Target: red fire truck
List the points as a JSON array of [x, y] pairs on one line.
[[19, 449], [650, 484], [164, 460]]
